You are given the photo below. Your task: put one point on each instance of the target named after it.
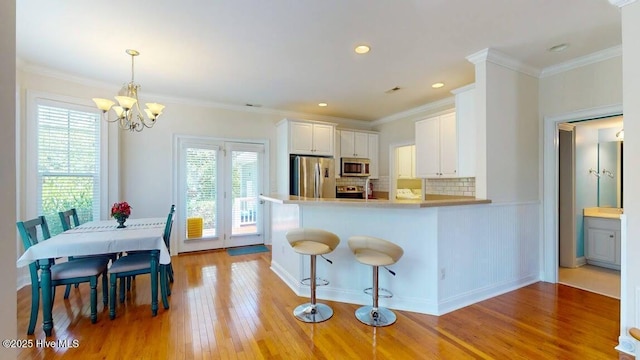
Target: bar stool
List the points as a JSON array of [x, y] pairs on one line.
[[313, 242], [375, 252]]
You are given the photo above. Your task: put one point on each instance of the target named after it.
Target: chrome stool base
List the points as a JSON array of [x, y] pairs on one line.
[[381, 317], [313, 313]]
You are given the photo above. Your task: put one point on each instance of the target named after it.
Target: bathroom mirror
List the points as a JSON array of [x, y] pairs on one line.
[[610, 170]]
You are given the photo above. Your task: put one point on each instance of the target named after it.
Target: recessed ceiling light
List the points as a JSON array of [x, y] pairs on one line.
[[437, 85], [362, 49], [559, 47], [323, 104]]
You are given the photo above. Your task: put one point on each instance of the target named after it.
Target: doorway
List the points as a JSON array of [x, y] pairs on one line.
[[403, 183], [218, 185], [586, 177]]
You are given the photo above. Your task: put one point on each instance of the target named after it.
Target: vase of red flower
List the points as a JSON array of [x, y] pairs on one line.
[[121, 211]]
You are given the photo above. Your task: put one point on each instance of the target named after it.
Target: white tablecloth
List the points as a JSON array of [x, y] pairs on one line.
[[102, 237]]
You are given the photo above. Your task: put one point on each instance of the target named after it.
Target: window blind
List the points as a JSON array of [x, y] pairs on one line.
[[201, 181], [68, 162]]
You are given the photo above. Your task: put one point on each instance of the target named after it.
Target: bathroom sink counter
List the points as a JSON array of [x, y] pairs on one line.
[[603, 212]]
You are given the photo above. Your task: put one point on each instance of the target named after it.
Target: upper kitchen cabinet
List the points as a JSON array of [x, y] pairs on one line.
[[310, 138], [373, 155], [445, 144], [354, 144], [436, 147], [359, 144]]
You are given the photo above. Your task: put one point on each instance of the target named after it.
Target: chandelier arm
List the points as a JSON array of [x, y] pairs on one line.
[[129, 104], [106, 115]]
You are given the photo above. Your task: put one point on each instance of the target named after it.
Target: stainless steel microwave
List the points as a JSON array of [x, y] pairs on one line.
[[354, 167]]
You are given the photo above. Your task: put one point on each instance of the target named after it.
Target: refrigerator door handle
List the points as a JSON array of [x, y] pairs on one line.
[[316, 175]]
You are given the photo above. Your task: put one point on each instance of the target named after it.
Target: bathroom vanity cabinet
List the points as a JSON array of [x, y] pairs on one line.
[[602, 241]]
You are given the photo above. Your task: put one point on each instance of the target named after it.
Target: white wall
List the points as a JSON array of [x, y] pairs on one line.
[[508, 147], [630, 291], [8, 197], [585, 87]]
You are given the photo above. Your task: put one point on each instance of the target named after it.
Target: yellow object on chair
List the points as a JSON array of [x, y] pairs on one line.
[[194, 227]]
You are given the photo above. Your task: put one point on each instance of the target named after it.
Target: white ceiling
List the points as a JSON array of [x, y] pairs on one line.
[[290, 55]]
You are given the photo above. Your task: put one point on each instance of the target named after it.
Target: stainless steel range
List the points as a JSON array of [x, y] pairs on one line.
[[350, 192]]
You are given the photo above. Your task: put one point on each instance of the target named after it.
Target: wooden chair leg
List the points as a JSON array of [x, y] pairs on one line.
[[112, 296], [164, 286], [67, 290], [105, 289], [35, 304], [170, 272], [94, 298], [122, 288]]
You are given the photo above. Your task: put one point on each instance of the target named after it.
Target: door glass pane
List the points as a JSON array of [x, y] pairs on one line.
[[201, 188], [244, 197]]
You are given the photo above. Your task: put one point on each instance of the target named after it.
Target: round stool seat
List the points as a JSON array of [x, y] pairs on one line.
[[311, 248], [373, 258], [312, 241], [374, 251]]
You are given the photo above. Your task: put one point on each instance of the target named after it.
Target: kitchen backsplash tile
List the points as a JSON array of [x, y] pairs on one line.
[[458, 186]]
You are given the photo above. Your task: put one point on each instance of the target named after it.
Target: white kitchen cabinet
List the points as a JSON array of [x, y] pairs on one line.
[[358, 144], [405, 162], [373, 151], [446, 144], [436, 147], [466, 130], [354, 144], [301, 137], [602, 241], [308, 138]]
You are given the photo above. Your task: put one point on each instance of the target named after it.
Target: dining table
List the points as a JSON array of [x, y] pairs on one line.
[[100, 237]]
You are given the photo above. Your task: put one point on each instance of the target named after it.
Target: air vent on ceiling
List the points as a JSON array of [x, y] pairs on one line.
[[392, 90]]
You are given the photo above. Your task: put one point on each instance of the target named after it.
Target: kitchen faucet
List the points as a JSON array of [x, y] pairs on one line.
[[366, 188]]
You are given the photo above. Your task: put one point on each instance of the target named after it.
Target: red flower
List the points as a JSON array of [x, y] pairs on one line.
[[121, 209]]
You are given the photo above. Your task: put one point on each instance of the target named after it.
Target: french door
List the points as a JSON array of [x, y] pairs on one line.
[[218, 187]]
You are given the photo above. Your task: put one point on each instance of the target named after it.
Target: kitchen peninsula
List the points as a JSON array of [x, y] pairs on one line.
[[457, 251]]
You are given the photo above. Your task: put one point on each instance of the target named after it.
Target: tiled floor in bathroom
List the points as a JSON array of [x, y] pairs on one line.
[[592, 278]]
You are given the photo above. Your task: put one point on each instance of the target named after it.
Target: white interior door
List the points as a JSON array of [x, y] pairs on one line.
[[218, 184]]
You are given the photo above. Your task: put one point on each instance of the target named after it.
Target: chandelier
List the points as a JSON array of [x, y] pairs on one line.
[[127, 112]]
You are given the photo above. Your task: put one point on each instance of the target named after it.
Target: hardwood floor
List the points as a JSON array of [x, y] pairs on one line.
[[225, 307]]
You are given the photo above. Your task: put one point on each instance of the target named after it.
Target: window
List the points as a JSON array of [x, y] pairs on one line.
[[67, 161], [201, 184]]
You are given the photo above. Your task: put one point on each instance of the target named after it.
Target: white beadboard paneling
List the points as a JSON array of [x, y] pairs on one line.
[[486, 251]]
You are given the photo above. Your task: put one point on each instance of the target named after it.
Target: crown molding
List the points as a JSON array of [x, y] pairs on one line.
[[499, 58], [593, 58], [46, 72], [463, 89], [621, 3], [436, 105]]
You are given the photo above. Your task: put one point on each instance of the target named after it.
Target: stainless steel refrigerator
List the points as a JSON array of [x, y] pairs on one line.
[[312, 177]]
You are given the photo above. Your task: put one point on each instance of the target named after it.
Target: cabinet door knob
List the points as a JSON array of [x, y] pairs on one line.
[[611, 236]]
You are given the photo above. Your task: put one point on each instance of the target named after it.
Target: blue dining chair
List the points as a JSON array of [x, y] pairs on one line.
[[167, 241], [69, 219], [72, 272], [138, 263]]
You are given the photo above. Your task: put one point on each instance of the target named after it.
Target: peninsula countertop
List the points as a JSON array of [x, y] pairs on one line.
[[432, 201]]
